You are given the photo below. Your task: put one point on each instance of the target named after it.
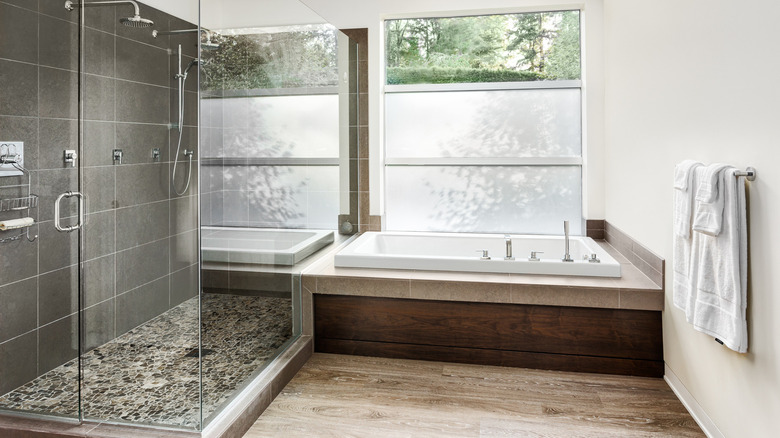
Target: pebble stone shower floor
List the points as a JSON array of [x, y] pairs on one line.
[[146, 376]]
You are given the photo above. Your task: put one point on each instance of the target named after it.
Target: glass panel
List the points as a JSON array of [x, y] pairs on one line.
[[506, 123], [269, 94], [487, 48], [304, 126], [140, 241], [279, 197], [39, 277], [489, 199]]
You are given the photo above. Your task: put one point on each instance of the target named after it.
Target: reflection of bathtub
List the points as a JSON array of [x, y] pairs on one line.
[[261, 245], [461, 252]]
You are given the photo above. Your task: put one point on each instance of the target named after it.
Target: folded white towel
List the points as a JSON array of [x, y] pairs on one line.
[[708, 214], [721, 281], [683, 196], [708, 186], [10, 224], [686, 176], [682, 174]]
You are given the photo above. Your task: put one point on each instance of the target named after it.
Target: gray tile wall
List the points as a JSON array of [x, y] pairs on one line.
[[140, 239]]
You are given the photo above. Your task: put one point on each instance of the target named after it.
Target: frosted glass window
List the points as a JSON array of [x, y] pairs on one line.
[[281, 196], [303, 126], [496, 123], [490, 199]]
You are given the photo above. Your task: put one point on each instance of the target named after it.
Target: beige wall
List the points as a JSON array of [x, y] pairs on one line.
[[698, 79]]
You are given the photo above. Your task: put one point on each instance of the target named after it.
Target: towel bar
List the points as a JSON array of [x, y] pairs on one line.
[[749, 173]]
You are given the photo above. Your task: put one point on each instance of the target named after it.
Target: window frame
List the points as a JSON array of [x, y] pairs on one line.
[[574, 161]]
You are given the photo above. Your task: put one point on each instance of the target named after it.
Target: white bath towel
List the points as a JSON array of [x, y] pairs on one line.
[[683, 196], [721, 278], [684, 191], [708, 210]]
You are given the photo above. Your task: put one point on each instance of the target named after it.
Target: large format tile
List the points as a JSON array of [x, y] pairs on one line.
[[141, 62], [138, 140], [141, 224], [18, 259], [141, 103], [22, 98], [56, 136], [99, 275], [140, 305], [58, 93], [58, 293], [18, 360], [101, 102], [142, 264], [99, 53], [58, 249], [99, 143], [19, 312], [141, 183], [20, 34], [59, 43], [58, 343]]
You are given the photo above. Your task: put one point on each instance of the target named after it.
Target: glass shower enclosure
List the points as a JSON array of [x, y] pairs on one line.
[[128, 134], [100, 311]]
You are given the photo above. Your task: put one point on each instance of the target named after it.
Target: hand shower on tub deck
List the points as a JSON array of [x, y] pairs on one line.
[[566, 255]]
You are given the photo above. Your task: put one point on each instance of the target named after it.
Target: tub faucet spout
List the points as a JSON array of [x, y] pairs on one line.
[[508, 240], [566, 255]]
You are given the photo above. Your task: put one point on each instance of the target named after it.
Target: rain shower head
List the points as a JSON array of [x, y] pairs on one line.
[[134, 21], [207, 44]]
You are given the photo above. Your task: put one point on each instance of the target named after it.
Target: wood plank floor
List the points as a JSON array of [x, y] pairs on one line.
[[352, 396]]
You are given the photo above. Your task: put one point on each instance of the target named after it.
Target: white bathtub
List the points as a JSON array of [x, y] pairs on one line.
[[261, 245], [462, 252]]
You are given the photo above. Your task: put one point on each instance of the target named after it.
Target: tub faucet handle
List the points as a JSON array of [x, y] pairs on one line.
[[594, 258], [533, 257], [566, 254], [485, 255]]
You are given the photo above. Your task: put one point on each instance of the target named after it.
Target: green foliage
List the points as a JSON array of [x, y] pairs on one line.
[[490, 48], [298, 58], [437, 75], [564, 60]]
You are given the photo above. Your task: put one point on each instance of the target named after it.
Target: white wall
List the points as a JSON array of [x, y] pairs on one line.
[[185, 9], [370, 14], [698, 79], [236, 14]]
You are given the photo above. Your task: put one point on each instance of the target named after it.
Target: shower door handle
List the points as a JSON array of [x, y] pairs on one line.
[[80, 222]]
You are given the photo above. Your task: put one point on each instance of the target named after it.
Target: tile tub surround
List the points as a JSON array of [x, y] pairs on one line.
[[139, 255], [633, 291], [649, 263], [243, 334]]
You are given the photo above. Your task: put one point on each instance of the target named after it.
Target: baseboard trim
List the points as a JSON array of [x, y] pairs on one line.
[[694, 408]]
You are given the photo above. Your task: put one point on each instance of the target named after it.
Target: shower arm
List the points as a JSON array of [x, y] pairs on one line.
[[69, 5], [156, 33]]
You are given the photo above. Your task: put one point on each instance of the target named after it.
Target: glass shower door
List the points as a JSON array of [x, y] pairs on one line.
[[140, 336], [39, 266]]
